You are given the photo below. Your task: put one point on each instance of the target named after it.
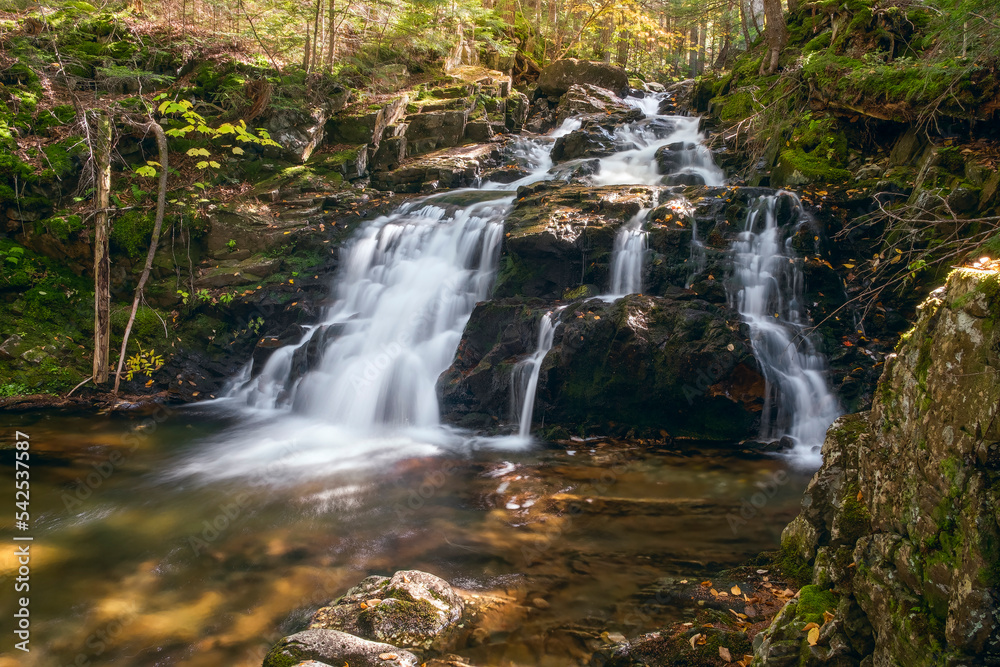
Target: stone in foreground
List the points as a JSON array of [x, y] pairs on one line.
[[412, 609], [332, 647]]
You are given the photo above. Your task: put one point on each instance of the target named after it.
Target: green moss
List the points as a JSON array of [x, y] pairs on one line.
[[791, 563], [62, 227], [813, 601], [131, 233], [818, 43], [795, 166], [853, 519]]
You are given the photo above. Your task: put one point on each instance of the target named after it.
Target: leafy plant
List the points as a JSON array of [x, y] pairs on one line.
[[145, 362], [231, 244], [184, 296], [227, 297]]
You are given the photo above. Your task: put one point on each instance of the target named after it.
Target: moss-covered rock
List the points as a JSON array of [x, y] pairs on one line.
[[901, 517], [412, 609]]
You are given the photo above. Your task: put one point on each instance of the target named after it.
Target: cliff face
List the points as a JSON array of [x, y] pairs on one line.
[[901, 521]]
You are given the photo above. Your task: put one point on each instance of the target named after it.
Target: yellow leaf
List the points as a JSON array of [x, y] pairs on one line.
[[813, 636], [848, 266], [860, 496], [810, 626], [735, 590], [694, 639], [714, 593], [827, 617]]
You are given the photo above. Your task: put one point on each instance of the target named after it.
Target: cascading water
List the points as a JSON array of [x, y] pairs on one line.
[[638, 166], [767, 291], [697, 256], [627, 257], [525, 375]]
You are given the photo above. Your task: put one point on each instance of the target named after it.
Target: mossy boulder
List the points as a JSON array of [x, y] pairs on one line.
[[330, 647], [902, 517], [412, 609]]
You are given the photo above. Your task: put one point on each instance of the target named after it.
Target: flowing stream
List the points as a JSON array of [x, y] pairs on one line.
[[199, 536], [767, 292]]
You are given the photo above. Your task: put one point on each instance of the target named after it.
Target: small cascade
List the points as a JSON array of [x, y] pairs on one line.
[[638, 166], [525, 375], [627, 256], [697, 257], [767, 291]]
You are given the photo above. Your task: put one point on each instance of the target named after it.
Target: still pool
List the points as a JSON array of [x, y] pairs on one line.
[[195, 537]]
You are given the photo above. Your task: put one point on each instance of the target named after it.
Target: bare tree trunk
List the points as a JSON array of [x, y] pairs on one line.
[[777, 35], [161, 203], [306, 52], [743, 23], [693, 61], [102, 260], [702, 53]]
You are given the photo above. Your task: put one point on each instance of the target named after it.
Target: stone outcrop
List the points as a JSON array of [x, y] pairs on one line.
[[655, 365], [411, 609], [330, 647], [557, 78], [899, 528]]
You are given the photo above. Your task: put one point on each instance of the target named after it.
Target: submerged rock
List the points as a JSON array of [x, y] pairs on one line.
[[413, 609], [901, 520], [330, 647]]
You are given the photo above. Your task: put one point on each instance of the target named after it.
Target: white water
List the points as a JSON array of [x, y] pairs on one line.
[[627, 257], [638, 167], [359, 388], [524, 379], [697, 256], [767, 292]]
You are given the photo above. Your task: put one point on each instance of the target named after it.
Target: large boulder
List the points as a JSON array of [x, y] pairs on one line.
[[448, 168], [653, 365], [412, 609], [557, 78], [331, 647], [901, 522], [561, 236], [588, 99]]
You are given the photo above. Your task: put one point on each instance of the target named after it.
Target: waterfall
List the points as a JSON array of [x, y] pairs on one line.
[[525, 375], [627, 256], [697, 256], [766, 289], [638, 166]]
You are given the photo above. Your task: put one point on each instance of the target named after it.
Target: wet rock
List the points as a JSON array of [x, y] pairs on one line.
[[560, 236], [336, 648], [651, 363], [588, 99], [695, 647], [557, 78], [595, 138], [450, 168], [412, 609], [901, 516]]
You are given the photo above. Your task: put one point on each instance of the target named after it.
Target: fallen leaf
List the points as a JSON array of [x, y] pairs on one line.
[[725, 654], [706, 584], [694, 639], [810, 626], [813, 636], [827, 617], [714, 593], [735, 590], [860, 496]]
